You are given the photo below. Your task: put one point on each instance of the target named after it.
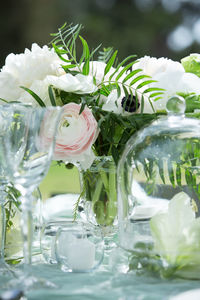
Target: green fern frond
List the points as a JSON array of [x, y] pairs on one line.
[[105, 55]]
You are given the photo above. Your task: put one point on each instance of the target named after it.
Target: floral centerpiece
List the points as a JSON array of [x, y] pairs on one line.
[[105, 101]]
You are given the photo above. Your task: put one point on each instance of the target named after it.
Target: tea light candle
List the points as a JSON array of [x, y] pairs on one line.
[[80, 254]]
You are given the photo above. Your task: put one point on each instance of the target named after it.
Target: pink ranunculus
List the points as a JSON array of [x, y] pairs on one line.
[[76, 134]]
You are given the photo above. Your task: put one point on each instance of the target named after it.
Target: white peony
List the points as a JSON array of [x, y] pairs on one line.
[[9, 87], [152, 66], [34, 64], [169, 75], [26, 68]]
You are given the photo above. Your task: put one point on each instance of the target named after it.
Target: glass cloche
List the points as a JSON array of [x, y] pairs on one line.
[[159, 193]]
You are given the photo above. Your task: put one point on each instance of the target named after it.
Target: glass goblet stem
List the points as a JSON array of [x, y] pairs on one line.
[[3, 231], [27, 228]]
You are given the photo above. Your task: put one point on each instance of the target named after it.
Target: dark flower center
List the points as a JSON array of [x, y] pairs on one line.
[[130, 103]]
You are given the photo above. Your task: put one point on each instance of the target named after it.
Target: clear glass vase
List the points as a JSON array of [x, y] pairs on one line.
[[98, 203], [13, 239]]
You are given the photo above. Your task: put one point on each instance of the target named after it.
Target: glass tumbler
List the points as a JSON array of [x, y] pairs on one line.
[[79, 247]]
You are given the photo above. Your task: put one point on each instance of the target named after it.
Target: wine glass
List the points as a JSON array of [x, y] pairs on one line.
[[10, 121], [28, 170]]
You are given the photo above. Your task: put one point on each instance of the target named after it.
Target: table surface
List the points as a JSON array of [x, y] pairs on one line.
[[107, 285], [107, 282]]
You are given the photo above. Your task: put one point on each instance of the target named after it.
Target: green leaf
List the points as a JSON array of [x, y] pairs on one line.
[[142, 102], [121, 64], [178, 175], [145, 83], [94, 51], [171, 173], [59, 52], [83, 104], [85, 56], [131, 74], [104, 90], [51, 96], [110, 63], [139, 78], [65, 42], [4, 100], [125, 91], [154, 94], [105, 54], [153, 89], [158, 98], [35, 96], [192, 103], [67, 67], [118, 91], [161, 168], [125, 69]]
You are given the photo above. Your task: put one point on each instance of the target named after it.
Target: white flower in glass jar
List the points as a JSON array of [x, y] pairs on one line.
[[176, 233]]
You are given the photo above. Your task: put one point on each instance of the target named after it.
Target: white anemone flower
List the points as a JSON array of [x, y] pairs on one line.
[[114, 103]]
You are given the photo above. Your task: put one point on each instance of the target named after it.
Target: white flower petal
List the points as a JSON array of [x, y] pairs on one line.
[[176, 233], [76, 134], [9, 87], [79, 84]]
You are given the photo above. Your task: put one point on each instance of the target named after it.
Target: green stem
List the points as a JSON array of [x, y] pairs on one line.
[[106, 209], [97, 191], [111, 210], [105, 181]]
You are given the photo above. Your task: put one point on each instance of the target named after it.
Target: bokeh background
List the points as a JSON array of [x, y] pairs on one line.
[[144, 27], [169, 28]]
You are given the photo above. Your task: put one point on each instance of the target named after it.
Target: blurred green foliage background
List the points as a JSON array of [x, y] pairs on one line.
[[60, 180], [169, 28], [142, 27]]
